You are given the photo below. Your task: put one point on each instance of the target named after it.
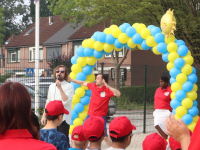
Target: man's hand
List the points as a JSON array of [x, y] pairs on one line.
[[58, 84], [43, 120], [105, 84], [69, 79]]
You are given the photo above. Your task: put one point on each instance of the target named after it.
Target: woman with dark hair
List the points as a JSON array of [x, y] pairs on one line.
[[162, 105], [16, 128]]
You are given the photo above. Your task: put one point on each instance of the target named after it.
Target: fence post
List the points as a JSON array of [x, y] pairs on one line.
[[144, 119], [102, 67]]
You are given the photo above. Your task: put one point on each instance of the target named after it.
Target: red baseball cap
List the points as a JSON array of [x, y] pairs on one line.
[[93, 128], [122, 126], [80, 134], [55, 107], [154, 142]]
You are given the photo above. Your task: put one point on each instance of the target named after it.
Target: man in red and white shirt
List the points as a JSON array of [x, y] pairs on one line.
[[101, 94], [162, 105]]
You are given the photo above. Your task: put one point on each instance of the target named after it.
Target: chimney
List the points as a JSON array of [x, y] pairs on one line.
[[50, 20]]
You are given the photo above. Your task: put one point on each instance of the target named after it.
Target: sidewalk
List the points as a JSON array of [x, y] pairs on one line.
[[136, 142]]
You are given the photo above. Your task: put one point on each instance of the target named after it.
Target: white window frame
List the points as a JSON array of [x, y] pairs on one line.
[[123, 50], [32, 49], [11, 55]]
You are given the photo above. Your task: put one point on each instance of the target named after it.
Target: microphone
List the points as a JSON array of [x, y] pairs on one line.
[[58, 77]]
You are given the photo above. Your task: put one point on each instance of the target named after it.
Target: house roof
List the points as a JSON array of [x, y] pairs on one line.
[[83, 32], [46, 31]]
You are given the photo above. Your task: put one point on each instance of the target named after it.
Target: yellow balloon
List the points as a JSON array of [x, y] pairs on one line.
[[108, 47], [140, 27], [187, 69], [189, 53], [123, 38], [81, 61], [150, 41], [195, 118], [76, 68], [85, 43], [155, 51], [145, 33], [86, 107], [195, 87], [91, 60], [84, 87], [181, 111], [76, 99], [173, 95], [107, 31], [170, 65], [80, 92], [139, 46], [113, 26], [172, 47], [177, 117], [73, 106], [135, 25], [130, 43], [192, 95], [90, 42], [90, 77], [78, 121], [188, 59], [71, 129], [72, 75], [83, 115], [117, 49], [176, 86], [173, 56], [191, 126], [187, 103], [169, 39], [116, 32], [181, 78], [98, 46]]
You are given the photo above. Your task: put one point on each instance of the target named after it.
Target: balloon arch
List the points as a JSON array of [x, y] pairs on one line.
[[161, 42]]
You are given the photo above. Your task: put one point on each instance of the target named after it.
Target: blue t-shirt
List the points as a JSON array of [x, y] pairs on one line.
[[53, 136]]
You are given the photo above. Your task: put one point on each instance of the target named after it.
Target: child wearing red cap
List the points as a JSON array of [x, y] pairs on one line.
[[120, 130], [54, 114], [79, 141], [94, 131]]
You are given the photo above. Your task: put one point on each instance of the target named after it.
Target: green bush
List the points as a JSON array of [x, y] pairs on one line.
[[4, 77]]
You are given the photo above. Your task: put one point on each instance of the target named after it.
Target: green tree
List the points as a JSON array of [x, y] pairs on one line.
[[1, 26]]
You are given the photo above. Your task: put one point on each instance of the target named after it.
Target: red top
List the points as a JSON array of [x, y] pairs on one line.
[[162, 98], [99, 100], [22, 139]]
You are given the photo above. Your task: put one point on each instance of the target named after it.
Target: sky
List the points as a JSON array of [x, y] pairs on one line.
[[26, 2]]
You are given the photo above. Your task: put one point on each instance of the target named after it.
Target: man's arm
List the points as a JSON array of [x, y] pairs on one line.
[[62, 93], [115, 91], [81, 83]]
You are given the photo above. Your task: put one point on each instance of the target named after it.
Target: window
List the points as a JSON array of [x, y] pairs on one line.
[[53, 52], [32, 54], [76, 45], [13, 56], [27, 33], [121, 53]]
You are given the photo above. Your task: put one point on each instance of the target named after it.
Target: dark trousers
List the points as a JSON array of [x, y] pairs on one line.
[[64, 128]]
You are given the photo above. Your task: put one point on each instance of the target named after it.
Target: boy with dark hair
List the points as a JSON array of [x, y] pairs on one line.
[[54, 114], [79, 141], [120, 130], [94, 131]]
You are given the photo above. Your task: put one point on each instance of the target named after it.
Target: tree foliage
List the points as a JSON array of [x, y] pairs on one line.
[[1, 25]]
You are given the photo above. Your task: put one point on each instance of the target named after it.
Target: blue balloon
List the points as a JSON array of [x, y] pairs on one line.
[[81, 76], [165, 57], [85, 100], [75, 85], [175, 103], [180, 42], [162, 47], [155, 30], [159, 37], [107, 53], [79, 107], [193, 111], [126, 46], [150, 27], [72, 122], [194, 70], [102, 37], [124, 26], [137, 39], [182, 50], [110, 39], [80, 51], [172, 80], [98, 54], [180, 95], [93, 66], [130, 31], [187, 119], [88, 52], [179, 63], [192, 78], [144, 45], [195, 103], [174, 111], [74, 59], [118, 44], [174, 72], [187, 86], [88, 92], [74, 115], [94, 36], [87, 70]]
